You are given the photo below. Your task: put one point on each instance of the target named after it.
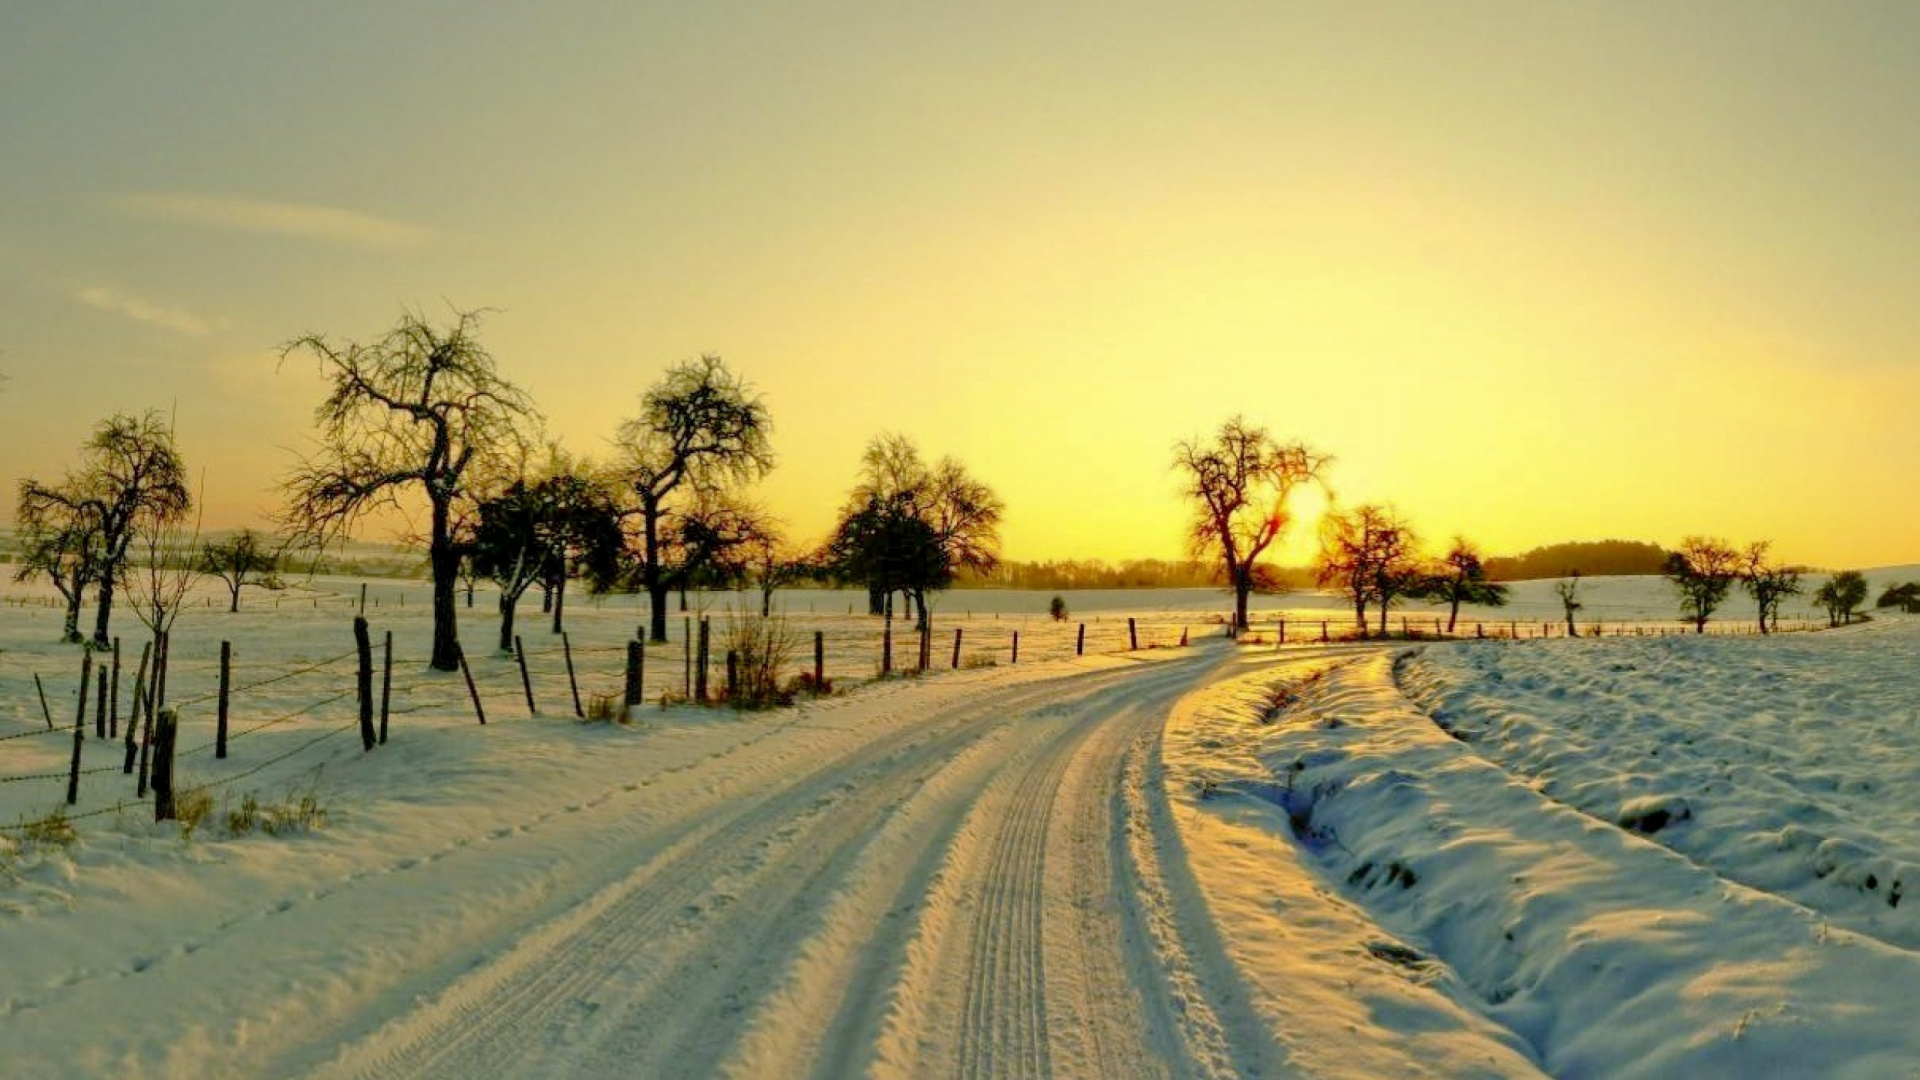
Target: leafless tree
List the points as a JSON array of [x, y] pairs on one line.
[[700, 428], [1238, 484], [919, 526], [241, 560], [130, 477], [1461, 578], [1702, 570], [416, 411], [60, 540], [1372, 554], [1769, 584], [1568, 590]]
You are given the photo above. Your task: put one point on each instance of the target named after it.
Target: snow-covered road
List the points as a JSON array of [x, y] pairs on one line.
[[950, 898]]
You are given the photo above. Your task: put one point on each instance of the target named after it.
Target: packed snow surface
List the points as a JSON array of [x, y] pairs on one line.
[[1631, 857]]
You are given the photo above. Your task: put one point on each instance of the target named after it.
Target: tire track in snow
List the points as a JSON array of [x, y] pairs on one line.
[[670, 946], [1034, 959]]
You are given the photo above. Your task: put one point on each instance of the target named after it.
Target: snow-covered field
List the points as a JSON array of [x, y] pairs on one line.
[[1631, 857]]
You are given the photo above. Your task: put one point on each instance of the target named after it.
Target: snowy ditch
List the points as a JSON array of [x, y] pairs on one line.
[[1621, 860]]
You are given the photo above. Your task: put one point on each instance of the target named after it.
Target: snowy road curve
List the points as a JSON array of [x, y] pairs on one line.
[[974, 893]]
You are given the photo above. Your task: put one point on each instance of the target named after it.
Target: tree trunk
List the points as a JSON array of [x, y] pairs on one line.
[[104, 614], [766, 601], [650, 574], [876, 600], [507, 604], [1453, 614], [445, 561], [1571, 632], [1360, 615], [559, 603], [1383, 617], [233, 602], [72, 630]]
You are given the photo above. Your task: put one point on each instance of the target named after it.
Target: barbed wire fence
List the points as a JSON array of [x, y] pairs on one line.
[[327, 696]]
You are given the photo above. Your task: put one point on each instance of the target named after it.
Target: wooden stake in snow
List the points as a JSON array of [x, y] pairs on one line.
[[1016, 648], [573, 683], [44, 711], [819, 661], [1133, 635], [1080, 641], [886, 648], [79, 728], [226, 688], [526, 681], [386, 687], [701, 661], [113, 708], [956, 647], [733, 676], [363, 680], [139, 698], [163, 739], [472, 690], [100, 705], [636, 670]]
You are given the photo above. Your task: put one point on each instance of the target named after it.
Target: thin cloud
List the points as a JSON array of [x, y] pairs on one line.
[[144, 311], [306, 221]]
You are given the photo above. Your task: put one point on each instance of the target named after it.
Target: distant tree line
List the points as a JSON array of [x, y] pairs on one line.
[[1594, 558]]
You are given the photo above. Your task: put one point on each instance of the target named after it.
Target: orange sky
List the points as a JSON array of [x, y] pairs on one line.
[[1530, 273]]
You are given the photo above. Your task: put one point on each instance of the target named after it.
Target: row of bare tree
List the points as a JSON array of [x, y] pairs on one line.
[[1238, 485], [423, 413]]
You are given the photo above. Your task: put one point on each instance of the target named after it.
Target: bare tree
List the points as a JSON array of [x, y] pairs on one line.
[[241, 560], [773, 564], [1702, 571], [415, 411], [130, 477], [1239, 484], [1568, 590], [60, 539], [1847, 590], [700, 427], [1769, 584], [1371, 553], [1462, 579], [912, 529]]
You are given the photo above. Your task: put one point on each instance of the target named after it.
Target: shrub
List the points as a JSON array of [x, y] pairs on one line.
[[762, 646], [1057, 607], [53, 829], [298, 811], [191, 807], [803, 683]]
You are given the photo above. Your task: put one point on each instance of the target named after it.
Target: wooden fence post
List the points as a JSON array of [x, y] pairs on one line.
[[701, 662], [363, 680], [45, 712], [631, 694], [100, 704], [1281, 638], [819, 661], [526, 681], [573, 683], [886, 647], [79, 728], [1133, 635], [139, 699], [226, 684], [733, 677], [1323, 631], [686, 647], [386, 684], [1080, 641], [956, 647], [460, 653], [163, 741], [1016, 648], [113, 690]]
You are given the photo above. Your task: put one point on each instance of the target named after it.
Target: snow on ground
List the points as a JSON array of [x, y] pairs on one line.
[[1339, 862], [1496, 864]]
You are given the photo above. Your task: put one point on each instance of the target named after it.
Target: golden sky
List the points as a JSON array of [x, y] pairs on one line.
[[1530, 272]]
